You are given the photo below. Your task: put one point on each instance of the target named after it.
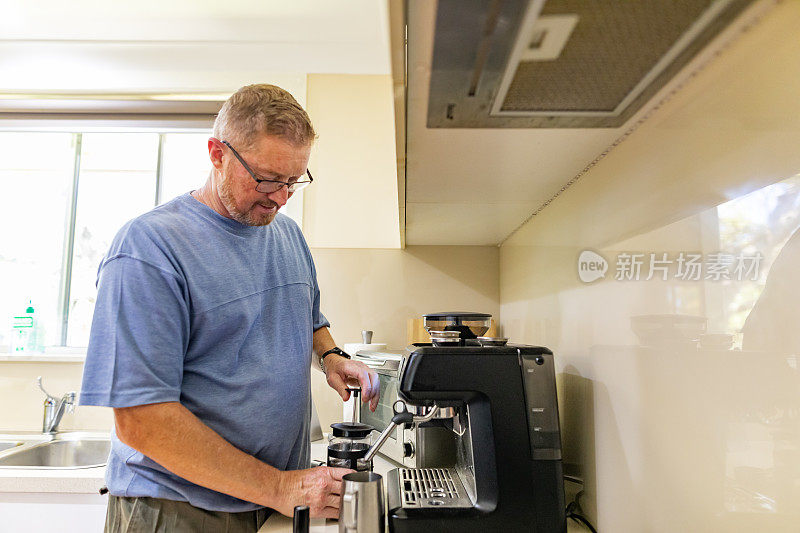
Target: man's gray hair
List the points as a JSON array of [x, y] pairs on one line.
[[262, 109]]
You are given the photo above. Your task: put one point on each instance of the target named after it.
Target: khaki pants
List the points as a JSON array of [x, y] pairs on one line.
[[154, 515]]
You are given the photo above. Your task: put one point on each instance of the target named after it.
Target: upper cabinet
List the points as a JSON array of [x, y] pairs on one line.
[[354, 200]]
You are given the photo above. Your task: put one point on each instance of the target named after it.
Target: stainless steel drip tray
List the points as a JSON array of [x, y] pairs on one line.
[[422, 488]]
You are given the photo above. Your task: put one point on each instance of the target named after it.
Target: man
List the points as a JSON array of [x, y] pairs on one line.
[[207, 312]]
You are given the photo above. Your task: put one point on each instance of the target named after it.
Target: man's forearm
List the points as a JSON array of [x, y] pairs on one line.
[[172, 436], [323, 341]]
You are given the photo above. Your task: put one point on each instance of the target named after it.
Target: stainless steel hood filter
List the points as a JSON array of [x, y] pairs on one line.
[[562, 63]]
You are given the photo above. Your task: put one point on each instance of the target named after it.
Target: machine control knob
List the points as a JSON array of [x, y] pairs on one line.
[[408, 449]]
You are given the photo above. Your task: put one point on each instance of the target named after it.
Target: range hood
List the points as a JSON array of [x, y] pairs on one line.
[[510, 103], [562, 63]]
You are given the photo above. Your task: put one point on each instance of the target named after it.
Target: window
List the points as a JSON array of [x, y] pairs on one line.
[[117, 182], [65, 197], [759, 222], [36, 172]]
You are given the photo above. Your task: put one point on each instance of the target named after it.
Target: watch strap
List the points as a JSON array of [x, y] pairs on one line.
[[335, 350]]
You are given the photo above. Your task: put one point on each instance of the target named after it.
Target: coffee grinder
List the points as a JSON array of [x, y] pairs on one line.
[[456, 327], [501, 406]]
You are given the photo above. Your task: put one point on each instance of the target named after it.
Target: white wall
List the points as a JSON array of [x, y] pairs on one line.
[[670, 437]]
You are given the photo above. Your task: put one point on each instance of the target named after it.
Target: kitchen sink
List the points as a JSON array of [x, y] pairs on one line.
[[61, 451], [5, 445]]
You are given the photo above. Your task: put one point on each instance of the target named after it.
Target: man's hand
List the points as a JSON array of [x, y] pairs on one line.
[[340, 370], [319, 488]]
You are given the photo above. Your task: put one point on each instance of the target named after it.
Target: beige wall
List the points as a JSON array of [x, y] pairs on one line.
[[381, 289], [361, 289], [22, 400], [668, 436], [353, 202]]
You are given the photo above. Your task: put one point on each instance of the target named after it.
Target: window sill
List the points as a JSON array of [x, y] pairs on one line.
[[56, 355]]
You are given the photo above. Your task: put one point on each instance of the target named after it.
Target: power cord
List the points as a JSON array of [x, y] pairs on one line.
[[572, 512], [573, 509]]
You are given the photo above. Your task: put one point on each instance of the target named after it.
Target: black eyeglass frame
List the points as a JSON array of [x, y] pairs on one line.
[[291, 187]]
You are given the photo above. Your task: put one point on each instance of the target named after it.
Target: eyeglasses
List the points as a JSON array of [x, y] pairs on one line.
[[270, 186]]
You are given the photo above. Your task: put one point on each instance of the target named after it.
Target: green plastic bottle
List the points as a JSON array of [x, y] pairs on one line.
[[26, 339]]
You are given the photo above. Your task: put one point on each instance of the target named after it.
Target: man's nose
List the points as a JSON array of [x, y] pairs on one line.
[[280, 197]]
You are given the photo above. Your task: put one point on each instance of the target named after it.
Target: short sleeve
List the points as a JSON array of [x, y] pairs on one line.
[[317, 317], [139, 336]]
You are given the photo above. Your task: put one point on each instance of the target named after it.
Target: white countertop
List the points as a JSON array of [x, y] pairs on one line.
[[80, 481]]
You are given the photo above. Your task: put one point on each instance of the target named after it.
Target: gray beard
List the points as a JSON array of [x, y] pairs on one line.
[[248, 218]]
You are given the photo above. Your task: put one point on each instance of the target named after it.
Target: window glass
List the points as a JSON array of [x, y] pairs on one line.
[[185, 163], [117, 183], [760, 222], [36, 171]]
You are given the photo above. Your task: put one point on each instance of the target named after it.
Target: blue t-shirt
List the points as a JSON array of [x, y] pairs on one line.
[[196, 308]]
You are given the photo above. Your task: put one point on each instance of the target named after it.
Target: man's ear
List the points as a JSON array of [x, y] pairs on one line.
[[215, 151]]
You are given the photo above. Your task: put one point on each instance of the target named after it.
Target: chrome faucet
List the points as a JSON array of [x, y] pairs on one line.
[[55, 408]]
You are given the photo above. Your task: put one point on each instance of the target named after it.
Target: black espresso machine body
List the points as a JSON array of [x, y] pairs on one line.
[[509, 455]]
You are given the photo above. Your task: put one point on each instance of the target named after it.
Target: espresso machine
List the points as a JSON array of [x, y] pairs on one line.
[[500, 403]]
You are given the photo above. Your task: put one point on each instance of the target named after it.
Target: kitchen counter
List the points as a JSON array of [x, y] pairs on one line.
[[77, 481], [278, 523], [31, 497]]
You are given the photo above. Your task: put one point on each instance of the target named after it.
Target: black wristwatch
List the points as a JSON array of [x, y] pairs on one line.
[[336, 350]]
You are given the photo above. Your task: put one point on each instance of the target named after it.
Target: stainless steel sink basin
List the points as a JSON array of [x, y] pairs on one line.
[[5, 445], [64, 451]]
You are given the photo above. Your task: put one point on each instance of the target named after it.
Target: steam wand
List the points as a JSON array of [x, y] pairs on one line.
[[401, 416]]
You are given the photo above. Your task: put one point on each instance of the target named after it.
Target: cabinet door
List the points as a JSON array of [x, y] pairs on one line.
[[65, 513]]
